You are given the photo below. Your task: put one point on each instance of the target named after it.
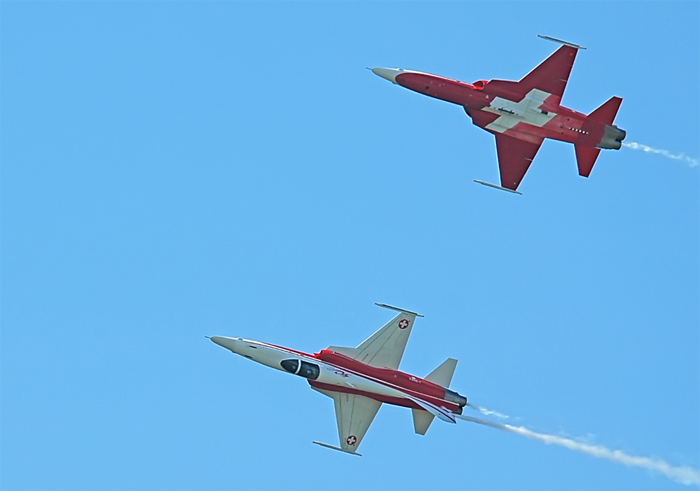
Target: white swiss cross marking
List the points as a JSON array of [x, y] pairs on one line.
[[403, 324], [526, 111], [351, 440]]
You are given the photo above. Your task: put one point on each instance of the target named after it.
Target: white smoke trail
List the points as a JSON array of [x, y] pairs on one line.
[[675, 156], [488, 412], [683, 475]]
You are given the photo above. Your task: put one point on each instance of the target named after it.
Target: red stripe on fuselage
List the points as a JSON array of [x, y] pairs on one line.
[[393, 377], [415, 386]]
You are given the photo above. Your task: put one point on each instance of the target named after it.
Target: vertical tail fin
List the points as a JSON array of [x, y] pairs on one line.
[[599, 133], [441, 376], [606, 113]]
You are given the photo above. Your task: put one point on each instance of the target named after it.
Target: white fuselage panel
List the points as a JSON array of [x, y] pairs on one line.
[[272, 356]]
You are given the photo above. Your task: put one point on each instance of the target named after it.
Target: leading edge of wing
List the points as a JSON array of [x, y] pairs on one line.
[[385, 348], [553, 73]]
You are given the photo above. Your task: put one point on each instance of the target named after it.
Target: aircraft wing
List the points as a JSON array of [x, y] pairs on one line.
[[384, 348], [549, 76], [354, 414], [514, 158], [553, 73]]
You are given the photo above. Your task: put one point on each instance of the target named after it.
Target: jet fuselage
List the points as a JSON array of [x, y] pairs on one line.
[[328, 370], [522, 114], [497, 109]]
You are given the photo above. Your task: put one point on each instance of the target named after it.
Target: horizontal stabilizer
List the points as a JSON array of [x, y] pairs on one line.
[[585, 158], [442, 375], [422, 420], [606, 113], [336, 448]]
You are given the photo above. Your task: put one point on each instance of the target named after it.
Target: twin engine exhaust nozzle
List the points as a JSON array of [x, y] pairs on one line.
[[612, 137]]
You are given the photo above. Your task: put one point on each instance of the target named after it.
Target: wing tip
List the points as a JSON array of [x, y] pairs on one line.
[[496, 186], [560, 41], [398, 309], [333, 447]]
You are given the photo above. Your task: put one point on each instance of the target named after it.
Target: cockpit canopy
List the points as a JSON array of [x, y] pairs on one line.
[[480, 84], [303, 368]]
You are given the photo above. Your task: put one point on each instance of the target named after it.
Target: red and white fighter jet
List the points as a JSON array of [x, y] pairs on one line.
[[522, 114], [360, 379]]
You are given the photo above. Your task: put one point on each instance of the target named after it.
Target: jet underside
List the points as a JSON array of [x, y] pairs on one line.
[[522, 114]]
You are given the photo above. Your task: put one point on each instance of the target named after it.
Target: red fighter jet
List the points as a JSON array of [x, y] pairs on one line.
[[522, 114], [360, 379]]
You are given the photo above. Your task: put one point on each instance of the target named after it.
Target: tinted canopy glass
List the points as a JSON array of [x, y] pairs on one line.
[[303, 369]]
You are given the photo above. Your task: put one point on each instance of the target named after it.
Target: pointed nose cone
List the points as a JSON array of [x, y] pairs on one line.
[[388, 73], [225, 342]]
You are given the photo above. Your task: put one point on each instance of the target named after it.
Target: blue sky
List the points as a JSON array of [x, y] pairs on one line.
[[171, 170]]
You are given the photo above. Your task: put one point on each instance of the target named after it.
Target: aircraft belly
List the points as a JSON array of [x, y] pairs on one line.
[[526, 133], [533, 133], [526, 119], [437, 87]]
